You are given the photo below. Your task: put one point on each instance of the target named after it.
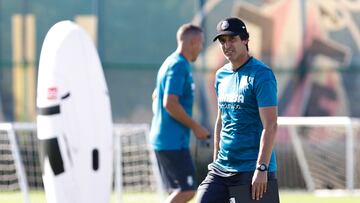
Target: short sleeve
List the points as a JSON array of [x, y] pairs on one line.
[[175, 79], [266, 89]]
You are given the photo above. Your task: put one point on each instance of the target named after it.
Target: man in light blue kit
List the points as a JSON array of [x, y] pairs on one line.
[[246, 123], [172, 105]]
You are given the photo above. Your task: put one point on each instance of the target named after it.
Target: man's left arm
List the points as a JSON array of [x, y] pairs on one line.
[[268, 117]]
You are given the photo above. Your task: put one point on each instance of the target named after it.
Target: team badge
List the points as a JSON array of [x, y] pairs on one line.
[[224, 25]]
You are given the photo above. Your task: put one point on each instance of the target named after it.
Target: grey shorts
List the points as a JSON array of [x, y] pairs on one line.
[[177, 169]]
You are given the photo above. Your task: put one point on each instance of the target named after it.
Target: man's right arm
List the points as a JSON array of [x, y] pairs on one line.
[[173, 107], [217, 131]]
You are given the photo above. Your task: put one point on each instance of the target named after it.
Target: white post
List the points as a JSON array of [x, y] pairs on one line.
[[349, 157], [299, 151], [118, 167], [18, 164]]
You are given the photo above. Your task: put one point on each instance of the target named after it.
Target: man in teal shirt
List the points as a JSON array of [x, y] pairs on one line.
[[246, 123], [172, 105]]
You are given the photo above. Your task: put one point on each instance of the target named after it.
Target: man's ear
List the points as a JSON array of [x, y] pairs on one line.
[[246, 42]]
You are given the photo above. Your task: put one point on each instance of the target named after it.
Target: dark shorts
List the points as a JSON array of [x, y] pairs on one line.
[[215, 189], [177, 169]]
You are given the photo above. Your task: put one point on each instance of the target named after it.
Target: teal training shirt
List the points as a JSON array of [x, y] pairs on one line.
[[174, 77], [240, 93]]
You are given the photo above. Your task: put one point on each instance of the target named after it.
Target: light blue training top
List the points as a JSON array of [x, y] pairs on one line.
[[174, 77], [240, 93]]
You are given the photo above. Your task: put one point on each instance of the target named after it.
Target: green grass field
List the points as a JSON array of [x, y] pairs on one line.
[[285, 197]]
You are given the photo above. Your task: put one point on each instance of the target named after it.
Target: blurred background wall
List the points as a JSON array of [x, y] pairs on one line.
[[313, 47], [133, 37]]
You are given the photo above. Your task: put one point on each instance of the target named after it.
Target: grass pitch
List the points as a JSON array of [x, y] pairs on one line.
[[285, 197]]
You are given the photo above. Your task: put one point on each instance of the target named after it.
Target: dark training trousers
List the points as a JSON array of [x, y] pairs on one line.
[[215, 189]]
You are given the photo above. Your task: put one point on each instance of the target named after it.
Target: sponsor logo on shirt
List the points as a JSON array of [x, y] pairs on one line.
[[230, 101], [231, 98], [230, 106]]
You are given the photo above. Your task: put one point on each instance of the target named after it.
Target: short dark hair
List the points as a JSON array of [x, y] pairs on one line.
[[187, 29]]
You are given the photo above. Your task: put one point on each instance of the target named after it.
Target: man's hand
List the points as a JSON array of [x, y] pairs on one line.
[[259, 184], [200, 132]]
